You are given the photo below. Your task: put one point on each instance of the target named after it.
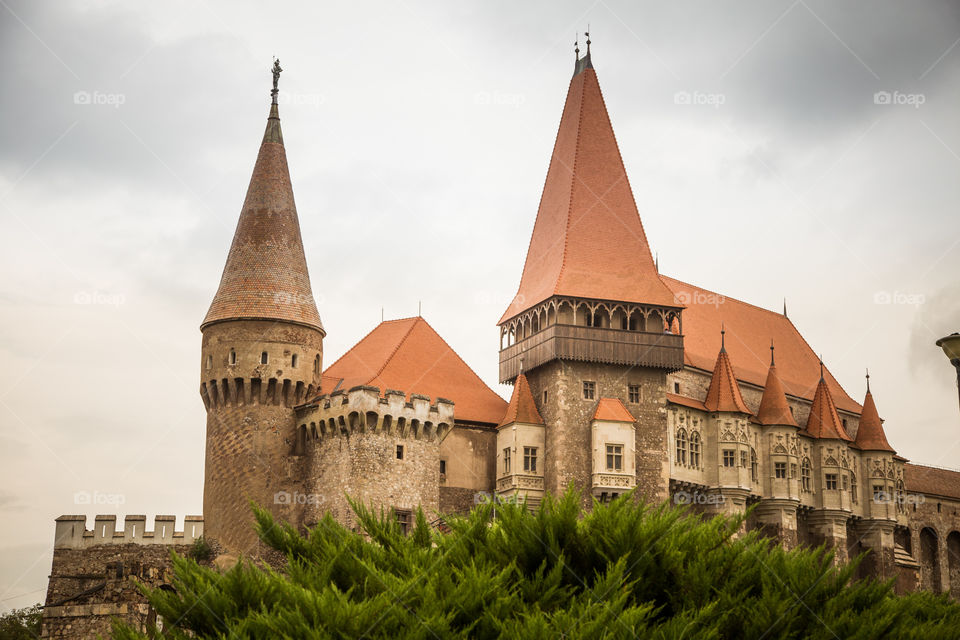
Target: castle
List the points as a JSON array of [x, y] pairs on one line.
[[623, 379]]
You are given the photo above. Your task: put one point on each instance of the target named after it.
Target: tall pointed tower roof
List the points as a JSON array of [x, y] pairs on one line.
[[774, 409], [522, 408], [870, 435], [823, 421], [588, 240], [266, 277], [724, 392]]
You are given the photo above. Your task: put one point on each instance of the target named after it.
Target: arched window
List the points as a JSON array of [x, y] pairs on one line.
[[264, 358], [695, 449], [293, 361], [681, 447], [853, 488], [901, 507], [753, 465], [805, 475], [233, 357]]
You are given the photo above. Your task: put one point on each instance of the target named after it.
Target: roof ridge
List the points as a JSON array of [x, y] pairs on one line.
[[359, 342], [460, 358], [387, 360], [573, 181]]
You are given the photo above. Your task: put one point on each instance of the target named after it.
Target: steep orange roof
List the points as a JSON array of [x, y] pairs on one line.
[[522, 408], [612, 409], [588, 240], [410, 356], [675, 398], [918, 478], [749, 331], [870, 435], [773, 405], [724, 392], [265, 276], [823, 421]]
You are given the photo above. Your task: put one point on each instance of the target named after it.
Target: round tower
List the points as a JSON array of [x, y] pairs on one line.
[[262, 355]]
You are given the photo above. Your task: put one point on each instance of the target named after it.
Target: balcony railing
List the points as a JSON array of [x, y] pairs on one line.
[[592, 344]]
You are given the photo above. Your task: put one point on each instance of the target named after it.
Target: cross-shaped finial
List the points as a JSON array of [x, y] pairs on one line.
[[587, 33]]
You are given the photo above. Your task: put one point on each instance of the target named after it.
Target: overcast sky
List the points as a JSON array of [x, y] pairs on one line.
[[418, 137]]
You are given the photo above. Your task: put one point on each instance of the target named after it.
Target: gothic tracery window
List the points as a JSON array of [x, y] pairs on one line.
[[681, 447]]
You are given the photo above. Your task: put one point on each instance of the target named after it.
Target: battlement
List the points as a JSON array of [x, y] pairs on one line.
[[235, 392], [363, 409], [72, 532]]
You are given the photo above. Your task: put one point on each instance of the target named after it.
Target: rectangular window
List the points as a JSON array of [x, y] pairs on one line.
[[793, 470], [614, 457], [403, 519], [544, 396], [633, 393], [743, 459], [879, 495], [506, 460], [728, 458], [530, 459], [844, 483], [399, 452], [676, 388], [443, 466], [780, 469], [831, 481], [589, 390]]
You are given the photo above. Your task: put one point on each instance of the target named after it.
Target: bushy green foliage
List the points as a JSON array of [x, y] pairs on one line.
[[201, 550], [622, 570], [21, 624]]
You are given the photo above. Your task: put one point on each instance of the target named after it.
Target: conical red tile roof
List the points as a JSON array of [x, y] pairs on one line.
[[265, 277], [823, 421], [588, 240], [724, 392], [410, 356], [522, 408], [774, 409], [870, 435]]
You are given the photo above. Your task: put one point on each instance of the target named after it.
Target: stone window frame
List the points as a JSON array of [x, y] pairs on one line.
[[399, 452], [793, 470], [806, 476], [853, 488], [589, 389], [743, 459], [754, 466], [530, 459], [633, 393], [404, 519], [695, 448], [615, 456], [681, 447], [830, 481], [264, 357], [779, 467], [506, 460], [232, 358], [729, 458], [443, 466], [294, 360]]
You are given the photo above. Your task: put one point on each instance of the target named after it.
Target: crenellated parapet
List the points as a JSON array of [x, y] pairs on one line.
[[72, 532], [249, 392], [363, 409]]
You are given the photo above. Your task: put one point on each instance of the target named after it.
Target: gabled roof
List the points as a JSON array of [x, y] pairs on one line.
[[612, 409], [870, 435], [265, 277], [588, 240], [522, 408], [724, 392], [410, 356], [773, 405], [749, 331], [918, 478], [823, 422]]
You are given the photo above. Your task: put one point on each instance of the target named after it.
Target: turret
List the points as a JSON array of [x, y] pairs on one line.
[[262, 353]]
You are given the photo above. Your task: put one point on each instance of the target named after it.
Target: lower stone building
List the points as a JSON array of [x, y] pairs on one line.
[[623, 380]]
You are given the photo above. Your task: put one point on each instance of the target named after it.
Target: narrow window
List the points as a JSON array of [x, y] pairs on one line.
[[831, 481], [399, 452], [589, 390], [293, 361], [316, 364], [853, 488], [614, 457], [793, 470], [676, 388], [805, 475], [729, 459], [754, 467], [233, 357], [506, 460], [633, 393], [403, 519], [743, 459], [544, 396], [695, 450], [845, 487], [530, 459], [443, 466], [780, 469], [209, 362], [263, 358], [681, 447]]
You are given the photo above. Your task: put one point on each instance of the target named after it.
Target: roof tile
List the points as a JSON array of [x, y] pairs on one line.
[[870, 435], [612, 409], [522, 408]]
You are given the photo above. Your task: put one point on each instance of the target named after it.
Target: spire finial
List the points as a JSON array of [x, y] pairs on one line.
[[723, 333], [785, 307], [868, 380], [771, 352], [656, 262], [821, 367], [576, 47], [587, 33], [276, 79]]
